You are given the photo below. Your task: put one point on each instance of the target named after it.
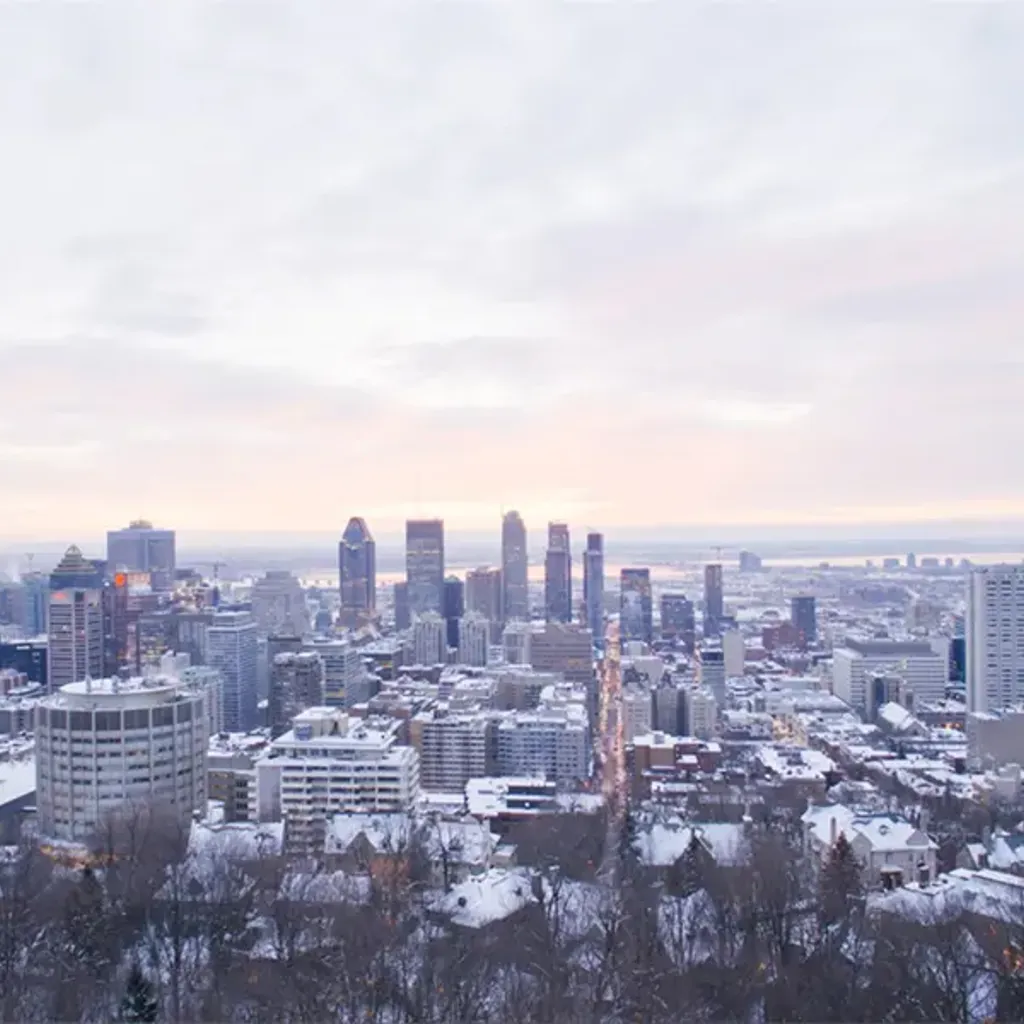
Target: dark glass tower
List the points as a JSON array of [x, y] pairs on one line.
[[593, 585], [636, 620], [357, 572], [558, 575]]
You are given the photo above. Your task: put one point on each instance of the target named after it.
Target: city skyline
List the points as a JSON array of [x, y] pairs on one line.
[[439, 277]]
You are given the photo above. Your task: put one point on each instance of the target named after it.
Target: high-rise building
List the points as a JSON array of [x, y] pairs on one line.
[[558, 574], [296, 683], [454, 608], [517, 642], [141, 548], [116, 621], [279, 604], [424, 565], [804, 618], [560, 647], [636, 620], [711, 669], [35, 588], [104, 745], [454, 747], [343, 670], [750, 562], [515, 594], [678, 621], [995, 637], [483, 595], [593, 585], [474, 639], [429, 639], [357, 573], [714, 600], [232, 647], [403, 617], [75, 621]]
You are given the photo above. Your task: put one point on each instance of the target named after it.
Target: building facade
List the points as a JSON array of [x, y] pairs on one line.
[[804, 617], [995, 637], [714, 600], [104, 746], [593, 586], [279, 605], [921, 670], [678, 621], [357, 573], [515, 594], [454, 608], [474, 640], [75, 621], [558, 575], [424, 565], [232, 641], [636, 619], [141, 548]]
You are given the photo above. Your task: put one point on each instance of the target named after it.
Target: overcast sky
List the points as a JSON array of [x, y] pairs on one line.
[[268, 266]]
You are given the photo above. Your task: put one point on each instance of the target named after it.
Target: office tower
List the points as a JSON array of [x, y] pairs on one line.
[[296, 683], [593, 586], [429, 636], [734, 653], [636, 620], [678, 621], [911, 560], [153, 735], [232, 647], [804, 619], [750, 562], [210, 683], [474, 639], [483, 593], [424, 565], [141, 548], [923, 670], [515, 594], [558, 575], [403, 618], [343, 669], [75, 621], [454, 609], [714, 602], [711, 669], [357, 573], [517, 642], [116, 618], [560, 647], [35, 599], [279, 604], [28, 657], [995, 637]]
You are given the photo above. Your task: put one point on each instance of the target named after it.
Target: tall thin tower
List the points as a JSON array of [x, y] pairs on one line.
[[515, 595]]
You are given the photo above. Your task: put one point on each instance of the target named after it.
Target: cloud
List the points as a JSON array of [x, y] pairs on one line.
[[271, 266]]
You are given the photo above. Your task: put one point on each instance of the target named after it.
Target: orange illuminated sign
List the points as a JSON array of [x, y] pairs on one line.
[[120, 579]]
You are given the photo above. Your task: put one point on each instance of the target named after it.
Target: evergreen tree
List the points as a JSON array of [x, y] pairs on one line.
[[841, 882], [139, 1005]]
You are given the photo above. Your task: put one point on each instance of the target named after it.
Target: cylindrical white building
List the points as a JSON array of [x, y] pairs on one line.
[[106, 744]]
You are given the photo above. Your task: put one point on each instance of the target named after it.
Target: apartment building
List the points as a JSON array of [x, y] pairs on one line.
[[454, 747], [328, 764]]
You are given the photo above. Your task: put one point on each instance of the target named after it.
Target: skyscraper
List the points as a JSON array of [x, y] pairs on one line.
[[995, 637], [75, 621], [454, 608], [558, 575], [515, 602], [232, 645], [483, 593], [424, 565], [803, 616], [714, 602], [593, 585], [678, 621], [357, 573], [279, 604], [141, 548], [635, 611], [402, 617]]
